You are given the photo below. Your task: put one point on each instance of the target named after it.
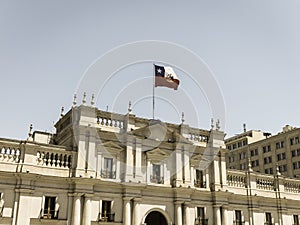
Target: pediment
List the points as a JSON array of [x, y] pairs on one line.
[[158, 131], [157, 154], [111, 147]]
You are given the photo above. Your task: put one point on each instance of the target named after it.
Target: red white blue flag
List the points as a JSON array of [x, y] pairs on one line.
[[165, 77]]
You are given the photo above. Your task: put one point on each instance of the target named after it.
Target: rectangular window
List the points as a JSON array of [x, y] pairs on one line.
[[239, 144], [200, 219], [107, 171], [264, 149], [292, 141], [282, 144], [296, 140], [296, 219], [268, 218], [294, 153], [252, 153], [245, 142], [106, 214], [277, 145], [295, 165], [238, 217], [199, 182], [256, 151], [49, 208], [234, 146], [156, 174]]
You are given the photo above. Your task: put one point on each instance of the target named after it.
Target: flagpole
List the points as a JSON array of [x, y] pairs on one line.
[[153, 91]]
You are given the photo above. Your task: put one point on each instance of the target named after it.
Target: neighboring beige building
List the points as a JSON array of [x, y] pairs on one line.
[[112, 169], [265, 152]]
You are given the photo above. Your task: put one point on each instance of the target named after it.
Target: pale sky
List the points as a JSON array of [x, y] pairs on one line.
[[252, 47]]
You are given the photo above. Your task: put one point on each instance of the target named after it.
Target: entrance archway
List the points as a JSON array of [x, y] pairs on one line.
[[155, 218]]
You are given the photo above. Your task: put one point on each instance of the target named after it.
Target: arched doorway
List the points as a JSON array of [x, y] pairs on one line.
[[155, 218]]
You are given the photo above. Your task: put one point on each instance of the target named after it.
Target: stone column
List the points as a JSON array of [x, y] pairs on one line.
[[187, 214], [136, 211], [87, 211], [76, 210], [217, 215], [126, 211], [148, 171], [225, 218], [178, 213]]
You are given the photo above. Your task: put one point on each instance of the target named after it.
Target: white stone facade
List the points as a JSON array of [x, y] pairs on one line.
[[106, 168]]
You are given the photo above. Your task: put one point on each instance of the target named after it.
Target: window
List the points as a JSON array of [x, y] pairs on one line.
[[269, 171], [264, 149], [156, 174], [239, 144], [254, 152], [200, 219], [234, 146], [231, 159], [255, 163], [106, 214], [296, 140], [267, 160], [199, 182], [294, 153], [268, 218], [296, 219], [243, 155], [238, 218], [245, 142], [282, 144], [277, 145], [292, 141], [107, 171], [49, 211], [269, 148], [229, 147], [283, 168], [281, 156]]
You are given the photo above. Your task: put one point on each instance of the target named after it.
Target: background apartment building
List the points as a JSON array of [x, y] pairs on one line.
[[265, 152]]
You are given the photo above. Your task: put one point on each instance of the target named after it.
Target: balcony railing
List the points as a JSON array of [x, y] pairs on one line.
[[106, 217], [108, 174], [157, 179], [201, 221], [200, 183], [238, 222], [49, 214]]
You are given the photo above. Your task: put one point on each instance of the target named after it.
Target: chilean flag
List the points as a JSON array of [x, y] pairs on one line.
[[165, 77]]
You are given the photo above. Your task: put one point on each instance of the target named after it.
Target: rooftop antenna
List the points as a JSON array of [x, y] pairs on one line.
[[244, 126], [107, 108]]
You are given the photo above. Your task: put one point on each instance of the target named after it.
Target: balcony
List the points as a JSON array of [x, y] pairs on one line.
[[49, 214], [238, 222], [108, 174], [106, 217], [201, 221], [200, 183], [156, 179]]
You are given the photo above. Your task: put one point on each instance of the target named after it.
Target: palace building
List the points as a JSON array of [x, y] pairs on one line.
[[106, 168]]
